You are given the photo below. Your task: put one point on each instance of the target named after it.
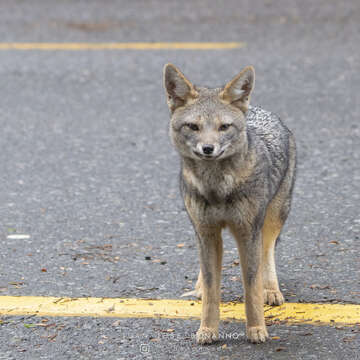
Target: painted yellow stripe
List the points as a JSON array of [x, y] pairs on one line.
[[124, 46], [316, 314]]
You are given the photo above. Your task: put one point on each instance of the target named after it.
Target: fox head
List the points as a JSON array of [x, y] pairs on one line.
[[208, 124]]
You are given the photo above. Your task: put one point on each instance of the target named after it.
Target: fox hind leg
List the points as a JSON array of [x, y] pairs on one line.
[[272, 293], [275, 218], [197, 292]]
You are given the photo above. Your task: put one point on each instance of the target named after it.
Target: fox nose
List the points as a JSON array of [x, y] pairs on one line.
[[208, 149]]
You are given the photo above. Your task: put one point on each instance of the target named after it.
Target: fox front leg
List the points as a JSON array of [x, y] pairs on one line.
[[250, 251], [210, 251]]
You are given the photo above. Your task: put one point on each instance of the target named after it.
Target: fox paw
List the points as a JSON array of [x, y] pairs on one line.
[[206, 335], [257, 334], [197, 292], [273, 297]]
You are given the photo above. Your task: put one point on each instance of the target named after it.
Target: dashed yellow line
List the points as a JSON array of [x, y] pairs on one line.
[[316, 314], [123, 46]]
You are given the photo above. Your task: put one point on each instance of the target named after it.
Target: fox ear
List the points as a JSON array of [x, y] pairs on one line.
[[178, 89], [237, 91]]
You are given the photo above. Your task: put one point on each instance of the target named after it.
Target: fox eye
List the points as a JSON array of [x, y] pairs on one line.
[[192, 126], [224, 127]]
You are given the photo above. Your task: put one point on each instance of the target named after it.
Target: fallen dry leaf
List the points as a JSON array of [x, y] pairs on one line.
[[52, 337], [319, 287], [167, 330], [349, 338]]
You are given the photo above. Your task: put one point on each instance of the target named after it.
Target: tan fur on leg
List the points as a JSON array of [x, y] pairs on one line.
[[210, 245], [270, 232], [251, 265], [197, 292]]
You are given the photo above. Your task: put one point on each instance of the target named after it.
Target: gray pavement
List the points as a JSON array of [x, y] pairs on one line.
[[87, 170]]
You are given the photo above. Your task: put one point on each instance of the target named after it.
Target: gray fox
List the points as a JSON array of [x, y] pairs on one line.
[[238, 167]]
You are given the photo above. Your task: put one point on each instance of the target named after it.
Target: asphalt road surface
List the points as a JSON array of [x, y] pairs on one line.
[[88, 172]]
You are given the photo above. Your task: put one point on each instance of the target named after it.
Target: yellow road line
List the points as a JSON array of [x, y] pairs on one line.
[[316, 314], [124, 46]]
